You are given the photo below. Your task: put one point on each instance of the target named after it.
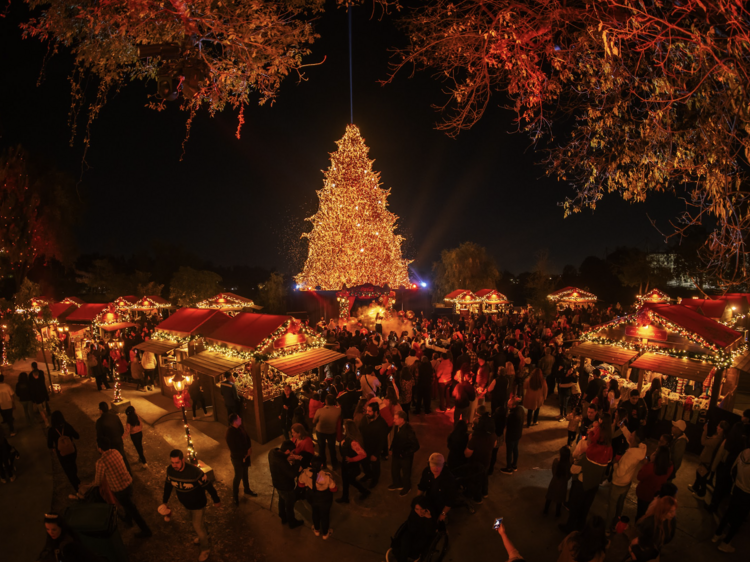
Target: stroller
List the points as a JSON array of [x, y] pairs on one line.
[[434, 552]]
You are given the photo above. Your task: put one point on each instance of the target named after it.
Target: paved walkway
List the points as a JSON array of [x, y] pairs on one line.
[[24, 502], [362, 529]]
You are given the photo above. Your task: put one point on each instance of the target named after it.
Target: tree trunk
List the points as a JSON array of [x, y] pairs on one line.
[[705, 296]]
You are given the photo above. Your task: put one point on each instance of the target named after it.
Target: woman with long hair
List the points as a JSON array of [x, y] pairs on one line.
[[60, 439], [405, 387], [63, 543], [352, 454], [588, 545], [535, 393], [613, 394], [319, 487], [655, 529], [134, 428], [652, 476], [304, 449]]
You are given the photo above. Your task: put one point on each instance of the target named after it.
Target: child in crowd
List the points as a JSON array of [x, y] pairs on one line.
[[574, 420]]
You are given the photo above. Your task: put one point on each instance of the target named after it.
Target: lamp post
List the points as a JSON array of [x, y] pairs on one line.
[[180, 383]]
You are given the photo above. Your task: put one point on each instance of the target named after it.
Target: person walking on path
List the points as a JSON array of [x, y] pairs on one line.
[[111, 466], [557, 491], [110, 427], [149, 367], [513, 433], [23, 391], [7, 404], [326, 422], [284, 480], [535, 393], [706, 460], [739, 504], [240, 453], [60, 439], [138, 374], [623, 472], [319, 488], [191, 484], [352, 456], [134, 428], [39, 394], [403, 447]]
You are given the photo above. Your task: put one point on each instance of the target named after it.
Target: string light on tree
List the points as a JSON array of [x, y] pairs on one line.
[[353, 240]]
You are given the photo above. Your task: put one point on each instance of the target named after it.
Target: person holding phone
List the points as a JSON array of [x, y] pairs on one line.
[[513, 554]]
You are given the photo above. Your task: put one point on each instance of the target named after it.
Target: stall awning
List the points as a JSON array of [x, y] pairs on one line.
[[117, 326], [191, 321], [611, 354], [157, 347], [87, 312], [672, 366], [300, 362], [209, 363]]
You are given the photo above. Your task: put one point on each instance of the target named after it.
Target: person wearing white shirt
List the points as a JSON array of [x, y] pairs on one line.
[[622, 476]]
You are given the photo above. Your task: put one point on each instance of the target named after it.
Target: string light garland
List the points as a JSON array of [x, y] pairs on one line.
[[160, 335], [313, 341], [353, 240], [654, 295], [225, 300], [572, 295]]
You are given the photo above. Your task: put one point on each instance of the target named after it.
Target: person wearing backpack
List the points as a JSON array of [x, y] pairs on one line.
[[60, 438]]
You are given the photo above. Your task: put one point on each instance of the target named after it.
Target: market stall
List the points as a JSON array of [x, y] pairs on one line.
[[73, 300], [654, 296], [229, 303], [492, 302], [265, 352], [179, 337], [572, 297], [464, 302], [690, 353]]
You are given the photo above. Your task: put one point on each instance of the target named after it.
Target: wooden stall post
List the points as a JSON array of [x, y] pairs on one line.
[[260, 418], [716, 387]]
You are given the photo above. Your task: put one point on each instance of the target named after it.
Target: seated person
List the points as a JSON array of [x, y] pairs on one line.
[[416, 535]]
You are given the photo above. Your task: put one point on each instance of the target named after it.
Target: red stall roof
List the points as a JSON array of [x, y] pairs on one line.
[[60, 310], [74, 300], [486, 293], [86, 312], [711, 308], [189, 321], [709, 329], [248, 329]]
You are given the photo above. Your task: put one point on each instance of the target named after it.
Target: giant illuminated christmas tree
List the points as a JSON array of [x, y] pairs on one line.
[[353, 240]]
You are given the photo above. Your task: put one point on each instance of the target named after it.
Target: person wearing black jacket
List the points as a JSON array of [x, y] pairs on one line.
[[110, 427], [348, 401], [232, 399], [438, 486], [416, 535], [283, 477], [240, 451], [59, 429], [513, 432], [39, 394], [375, 435], [595, 386], [197, 397], [289, 403], [191, 484], [403, 447]]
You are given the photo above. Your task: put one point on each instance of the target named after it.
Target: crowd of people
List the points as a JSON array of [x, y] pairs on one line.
[[491, 376]]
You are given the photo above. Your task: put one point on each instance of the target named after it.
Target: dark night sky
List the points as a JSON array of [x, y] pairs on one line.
[[231, 201]]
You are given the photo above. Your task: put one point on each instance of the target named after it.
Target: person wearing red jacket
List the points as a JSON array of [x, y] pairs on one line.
[[652, 476]]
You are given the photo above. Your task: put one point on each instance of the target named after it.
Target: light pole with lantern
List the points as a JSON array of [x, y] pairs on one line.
[[5, 347], [180, 383]]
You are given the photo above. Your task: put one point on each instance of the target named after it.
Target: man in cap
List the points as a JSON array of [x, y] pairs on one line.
[[439, 486]]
